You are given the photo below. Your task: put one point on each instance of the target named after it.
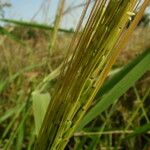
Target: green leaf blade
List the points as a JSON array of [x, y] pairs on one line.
[[122, 86]]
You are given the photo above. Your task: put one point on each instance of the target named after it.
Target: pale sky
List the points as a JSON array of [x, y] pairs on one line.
[[26, 9]]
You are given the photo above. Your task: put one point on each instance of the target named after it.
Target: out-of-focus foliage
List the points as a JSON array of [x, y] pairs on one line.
[[3, 5], [145, 21]]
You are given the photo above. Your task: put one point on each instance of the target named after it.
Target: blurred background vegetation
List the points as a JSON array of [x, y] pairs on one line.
[[25, 60]]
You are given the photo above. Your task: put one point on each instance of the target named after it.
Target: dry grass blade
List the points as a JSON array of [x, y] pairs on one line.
[[104, 35], [56, 24]]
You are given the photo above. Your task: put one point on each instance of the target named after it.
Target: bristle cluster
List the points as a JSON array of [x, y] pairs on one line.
[[92, 49]]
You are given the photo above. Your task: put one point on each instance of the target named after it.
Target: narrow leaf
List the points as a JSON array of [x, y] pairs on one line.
[[109, 84], [121, 87], [139, 131]]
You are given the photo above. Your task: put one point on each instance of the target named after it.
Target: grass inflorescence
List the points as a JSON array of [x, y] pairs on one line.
[[104, 35]]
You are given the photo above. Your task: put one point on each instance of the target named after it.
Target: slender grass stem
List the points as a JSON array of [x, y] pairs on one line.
[[103, 37]]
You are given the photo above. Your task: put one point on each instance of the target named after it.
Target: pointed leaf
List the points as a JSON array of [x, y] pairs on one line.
[[120, 87], [40, 104]]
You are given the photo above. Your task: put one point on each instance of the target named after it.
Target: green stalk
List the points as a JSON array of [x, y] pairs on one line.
[[56, 24]]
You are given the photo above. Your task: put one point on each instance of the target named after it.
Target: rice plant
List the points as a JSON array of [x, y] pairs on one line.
[[79, 103], [83, 73]]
